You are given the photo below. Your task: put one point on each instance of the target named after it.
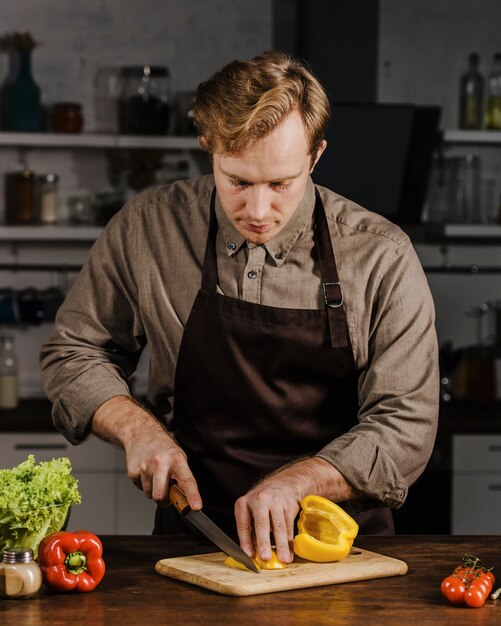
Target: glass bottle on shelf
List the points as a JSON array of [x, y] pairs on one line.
[[48, 205], [9, 385], [6, 88], [493, 113], [20, 197], [144, 102], [471, 95], [25, 105]]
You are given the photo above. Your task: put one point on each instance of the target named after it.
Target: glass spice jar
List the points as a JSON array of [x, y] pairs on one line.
[[67, 117], [144, 101], [20, 197], [48, 202], [20, 575]]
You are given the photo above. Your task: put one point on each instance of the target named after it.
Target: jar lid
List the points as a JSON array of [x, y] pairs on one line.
[[17, 555]]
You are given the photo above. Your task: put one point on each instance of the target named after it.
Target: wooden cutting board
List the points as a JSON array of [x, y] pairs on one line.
[[209, 571]]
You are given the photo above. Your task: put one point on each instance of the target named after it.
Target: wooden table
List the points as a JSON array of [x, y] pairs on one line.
[[132, 593]]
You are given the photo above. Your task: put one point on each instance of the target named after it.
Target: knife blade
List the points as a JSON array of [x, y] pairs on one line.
[[206, 526]]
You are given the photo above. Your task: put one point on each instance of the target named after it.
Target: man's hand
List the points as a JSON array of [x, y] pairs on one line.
[[152, 455], [272, 505]]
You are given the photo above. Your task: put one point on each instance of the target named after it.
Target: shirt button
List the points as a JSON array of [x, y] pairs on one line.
[[279, 255], [252, 274], [231, 245]]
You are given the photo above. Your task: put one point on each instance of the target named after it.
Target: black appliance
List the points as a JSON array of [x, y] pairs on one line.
[[379, 156]]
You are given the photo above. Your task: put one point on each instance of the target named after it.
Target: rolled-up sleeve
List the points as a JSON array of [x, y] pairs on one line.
[[98, 336], [398, 389]]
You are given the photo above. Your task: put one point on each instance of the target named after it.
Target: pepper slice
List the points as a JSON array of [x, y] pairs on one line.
[[273, 563], [326, 531], [71, 561]]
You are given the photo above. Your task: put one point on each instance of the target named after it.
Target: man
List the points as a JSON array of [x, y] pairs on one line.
[[290, 331]]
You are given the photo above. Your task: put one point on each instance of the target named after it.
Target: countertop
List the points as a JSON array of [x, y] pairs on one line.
[[133, 593], [34, 415]]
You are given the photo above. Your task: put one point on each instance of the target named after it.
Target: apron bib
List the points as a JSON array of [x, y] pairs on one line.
[[259, 386]]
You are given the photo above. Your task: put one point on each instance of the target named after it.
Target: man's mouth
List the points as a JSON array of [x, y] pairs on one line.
[[258, 228]]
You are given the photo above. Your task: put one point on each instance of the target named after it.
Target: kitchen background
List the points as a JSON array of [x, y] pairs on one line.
[[82, 162]]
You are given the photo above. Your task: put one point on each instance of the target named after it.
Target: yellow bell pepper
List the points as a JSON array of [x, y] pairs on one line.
[[326, 531], [273, 563]]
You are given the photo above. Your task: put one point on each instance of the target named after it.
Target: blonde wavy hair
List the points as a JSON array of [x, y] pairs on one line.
[[246, 100]]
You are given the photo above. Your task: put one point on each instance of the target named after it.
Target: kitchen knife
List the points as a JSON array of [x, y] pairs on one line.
[[208, 528]]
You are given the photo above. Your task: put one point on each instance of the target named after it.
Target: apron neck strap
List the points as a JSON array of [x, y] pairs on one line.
[[331, 286], [209, 272]]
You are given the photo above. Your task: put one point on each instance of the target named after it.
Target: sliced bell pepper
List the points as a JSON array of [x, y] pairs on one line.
[[71, 561], [273, 563], [326, 531]]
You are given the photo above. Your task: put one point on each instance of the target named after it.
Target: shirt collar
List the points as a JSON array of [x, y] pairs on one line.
[[279, 247]]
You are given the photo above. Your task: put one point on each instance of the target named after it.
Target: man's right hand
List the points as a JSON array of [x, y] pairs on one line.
[[152, 456]]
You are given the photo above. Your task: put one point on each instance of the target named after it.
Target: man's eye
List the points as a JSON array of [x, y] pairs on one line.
[[280, 186], [238, 183]]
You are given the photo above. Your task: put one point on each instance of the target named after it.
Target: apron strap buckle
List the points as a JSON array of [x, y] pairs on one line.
[[332, 302]]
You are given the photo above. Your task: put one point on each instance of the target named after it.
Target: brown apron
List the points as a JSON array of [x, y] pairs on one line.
[[259, 386]]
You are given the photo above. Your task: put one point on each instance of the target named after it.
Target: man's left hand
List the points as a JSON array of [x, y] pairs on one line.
[[272, 505]]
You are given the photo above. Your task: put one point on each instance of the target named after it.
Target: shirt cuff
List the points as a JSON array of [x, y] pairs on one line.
[[73, 411], [367, 467]]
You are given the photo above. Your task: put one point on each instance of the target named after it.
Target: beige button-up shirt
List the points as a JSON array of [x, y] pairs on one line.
[[139, 282]]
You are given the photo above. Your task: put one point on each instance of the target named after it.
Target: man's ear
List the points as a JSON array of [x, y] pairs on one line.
[[205, 148], [318, 154], [202, 142]]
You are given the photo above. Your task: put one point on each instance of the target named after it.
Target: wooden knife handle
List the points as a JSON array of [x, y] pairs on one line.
[[178, 499]]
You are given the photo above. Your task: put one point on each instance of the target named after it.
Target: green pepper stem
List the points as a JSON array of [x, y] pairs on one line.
[[76, 562]]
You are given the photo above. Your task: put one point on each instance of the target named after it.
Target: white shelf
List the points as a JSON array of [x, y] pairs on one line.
[[88, 140], [473, 136], [472, 230], [50, 233]]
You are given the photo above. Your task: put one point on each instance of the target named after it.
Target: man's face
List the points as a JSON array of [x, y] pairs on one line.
[[262, 186]]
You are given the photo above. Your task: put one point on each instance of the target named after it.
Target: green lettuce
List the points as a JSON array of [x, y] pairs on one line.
[[35, 500]]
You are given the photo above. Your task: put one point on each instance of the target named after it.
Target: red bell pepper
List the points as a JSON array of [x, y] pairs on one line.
[[71, 561]]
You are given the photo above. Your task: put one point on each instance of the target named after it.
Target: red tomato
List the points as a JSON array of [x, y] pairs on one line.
[[475, 597], [478, 591], [491, 577], [453, 589]]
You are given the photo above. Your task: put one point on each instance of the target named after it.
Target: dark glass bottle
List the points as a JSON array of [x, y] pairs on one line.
[[20, 197], [25, 97], [6, 90], [493, 113], [471, 95]]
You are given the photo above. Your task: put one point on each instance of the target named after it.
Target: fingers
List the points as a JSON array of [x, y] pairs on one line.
[[160, 484], [146, 483], [262, 529], [244, 527], [150, 467], [186, 481], [261, 514], [281, 534]]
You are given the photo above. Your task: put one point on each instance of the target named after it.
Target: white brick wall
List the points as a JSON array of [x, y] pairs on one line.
[[192, 37]]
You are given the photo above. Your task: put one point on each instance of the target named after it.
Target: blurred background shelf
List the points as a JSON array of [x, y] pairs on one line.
[[89, 140], [454, 135], [453, 233], [49, 233]]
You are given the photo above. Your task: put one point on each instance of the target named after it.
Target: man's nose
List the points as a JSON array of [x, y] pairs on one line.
[[258, 203]]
